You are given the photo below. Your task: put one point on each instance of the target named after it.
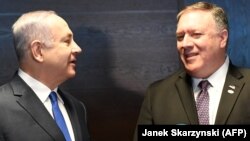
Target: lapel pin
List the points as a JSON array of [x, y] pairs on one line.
[[232, 86], [230, 91]]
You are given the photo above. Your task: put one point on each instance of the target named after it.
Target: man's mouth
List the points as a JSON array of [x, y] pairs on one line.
[[190, 55], [73, 62]]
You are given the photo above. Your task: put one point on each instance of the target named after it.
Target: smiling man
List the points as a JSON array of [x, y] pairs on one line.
[[33, 108], [208, 89]]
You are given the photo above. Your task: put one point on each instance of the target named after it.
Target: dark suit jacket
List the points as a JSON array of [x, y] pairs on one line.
[[171, 101], [23, 117]]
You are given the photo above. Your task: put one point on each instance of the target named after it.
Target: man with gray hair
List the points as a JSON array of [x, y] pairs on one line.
[[32, 106], [208, 89]]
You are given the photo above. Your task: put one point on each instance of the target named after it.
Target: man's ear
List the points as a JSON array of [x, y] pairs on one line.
[[224, 37], [36, 50]]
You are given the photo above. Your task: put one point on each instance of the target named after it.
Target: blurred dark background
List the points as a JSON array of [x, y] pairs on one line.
[[127, 45]]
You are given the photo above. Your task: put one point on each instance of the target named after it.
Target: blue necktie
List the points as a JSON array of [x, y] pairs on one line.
[[58, 116]]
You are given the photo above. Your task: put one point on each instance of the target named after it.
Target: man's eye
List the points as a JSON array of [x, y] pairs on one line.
[[179, 37], [196, 35], [67, 42]]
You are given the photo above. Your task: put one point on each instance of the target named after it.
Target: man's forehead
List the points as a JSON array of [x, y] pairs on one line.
[[197, 18]]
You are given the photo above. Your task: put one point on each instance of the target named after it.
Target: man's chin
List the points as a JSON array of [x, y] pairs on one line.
[[72, 74]]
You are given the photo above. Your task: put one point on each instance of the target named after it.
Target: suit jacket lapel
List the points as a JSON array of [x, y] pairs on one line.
[[31, 103], [184, 87], [231, 91]]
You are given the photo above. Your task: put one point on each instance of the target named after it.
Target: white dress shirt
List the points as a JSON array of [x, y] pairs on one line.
[[217, 80], [42, 92]]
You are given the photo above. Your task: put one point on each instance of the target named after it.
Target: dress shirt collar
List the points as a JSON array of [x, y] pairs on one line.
[[41, 90], [213, 79]]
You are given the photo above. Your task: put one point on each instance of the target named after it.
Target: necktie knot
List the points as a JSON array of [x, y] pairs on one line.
[[203, 85], [53, 97]]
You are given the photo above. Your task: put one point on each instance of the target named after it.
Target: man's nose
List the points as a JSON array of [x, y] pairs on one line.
[[76, 48], [187, 41]]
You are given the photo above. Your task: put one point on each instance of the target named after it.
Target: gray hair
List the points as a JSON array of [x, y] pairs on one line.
[[29, 27], [218, 13]]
